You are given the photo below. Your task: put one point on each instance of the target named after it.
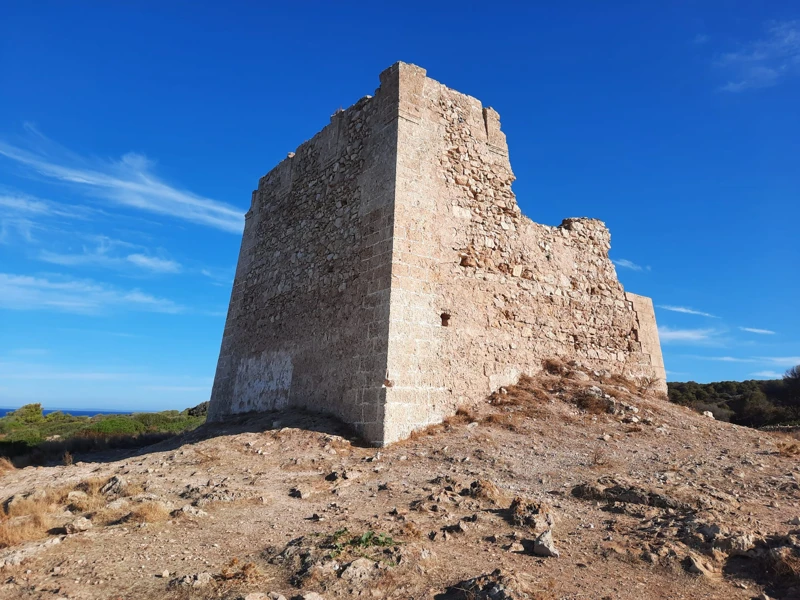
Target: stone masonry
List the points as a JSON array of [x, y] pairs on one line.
[[387, 275]]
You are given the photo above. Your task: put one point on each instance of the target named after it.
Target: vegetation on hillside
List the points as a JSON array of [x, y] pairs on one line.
[[28, 431], [754, 403]]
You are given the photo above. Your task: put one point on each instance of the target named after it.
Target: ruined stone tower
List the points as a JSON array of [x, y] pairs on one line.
[[387, 276]]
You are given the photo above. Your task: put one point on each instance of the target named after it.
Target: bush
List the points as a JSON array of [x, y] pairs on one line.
[[26, 433], [121, 425], [754, 403]]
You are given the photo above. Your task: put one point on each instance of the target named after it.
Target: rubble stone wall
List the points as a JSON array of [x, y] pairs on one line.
[[480, 293]]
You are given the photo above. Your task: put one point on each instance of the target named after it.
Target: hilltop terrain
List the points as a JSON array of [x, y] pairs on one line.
[[573, 484]]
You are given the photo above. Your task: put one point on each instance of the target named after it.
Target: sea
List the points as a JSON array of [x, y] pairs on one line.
[[75, 413]]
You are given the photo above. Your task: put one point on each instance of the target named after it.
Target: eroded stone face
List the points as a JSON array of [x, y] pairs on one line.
[[387, 274]]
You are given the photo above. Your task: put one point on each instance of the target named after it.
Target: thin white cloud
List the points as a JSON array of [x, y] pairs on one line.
[[129, 182], [686, 310], [25, 204], [668, 335], [629, 264], [111, 253], [782, 361], [756, 330], [764, 62], [83, 296], [732, 359], [152, 263], [219, 277], [770, 374]]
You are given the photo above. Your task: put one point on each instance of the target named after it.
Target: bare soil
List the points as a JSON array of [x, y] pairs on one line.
[[643, 500]]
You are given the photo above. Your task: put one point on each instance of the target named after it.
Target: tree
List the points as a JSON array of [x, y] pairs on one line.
[[792, 376]]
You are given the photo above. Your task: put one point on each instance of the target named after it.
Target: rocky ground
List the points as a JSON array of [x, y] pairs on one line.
[[571, 485]]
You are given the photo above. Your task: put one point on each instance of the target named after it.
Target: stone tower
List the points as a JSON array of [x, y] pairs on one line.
[[387, 276]]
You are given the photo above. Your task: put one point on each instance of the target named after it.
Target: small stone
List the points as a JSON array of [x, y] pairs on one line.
[[78, 525], [202, 580], [795, 521], [543, 545], [164, 574], [302, 493], [708, 413], [189, 510], [696, 565], [115, 485], [359, 570], [312, 596]]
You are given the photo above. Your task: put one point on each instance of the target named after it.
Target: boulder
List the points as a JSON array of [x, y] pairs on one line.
[[544, 546], [359, 571]]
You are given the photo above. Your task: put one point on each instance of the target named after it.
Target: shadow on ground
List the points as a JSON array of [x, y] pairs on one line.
[[124, 446]]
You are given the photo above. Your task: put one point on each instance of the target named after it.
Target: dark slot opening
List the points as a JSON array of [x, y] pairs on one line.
[[445, 319]]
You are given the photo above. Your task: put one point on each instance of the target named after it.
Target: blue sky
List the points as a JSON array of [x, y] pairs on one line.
[[132, 134]]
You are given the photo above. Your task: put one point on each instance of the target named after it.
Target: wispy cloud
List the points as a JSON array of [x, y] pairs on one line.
[[152, 263], [686, 310], [770, 374], [731, 359], [764, 62], [83, 296], [779, 361], [129, 182], [219, 277], [111, 253], [629, 264], [756, 330], [782, 361], [668, 335], [17, 203]]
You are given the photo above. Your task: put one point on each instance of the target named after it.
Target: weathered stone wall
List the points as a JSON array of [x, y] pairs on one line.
[[308, 318], [513, 292], [387, 275]]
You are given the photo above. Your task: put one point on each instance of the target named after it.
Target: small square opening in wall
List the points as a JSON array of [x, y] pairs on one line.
[[445, 319]]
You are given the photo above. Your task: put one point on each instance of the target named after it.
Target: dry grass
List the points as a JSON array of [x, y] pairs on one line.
[[554, 366], [6, 466], [463, 416], [512, 421], [590, 403], [784, 564], [234, 570], [25, 520], [599, 457], [411, 531], [148, 512], [487, 490], [788, 449], [527, 392], [92, 485], [30, 506], [16, 530]]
